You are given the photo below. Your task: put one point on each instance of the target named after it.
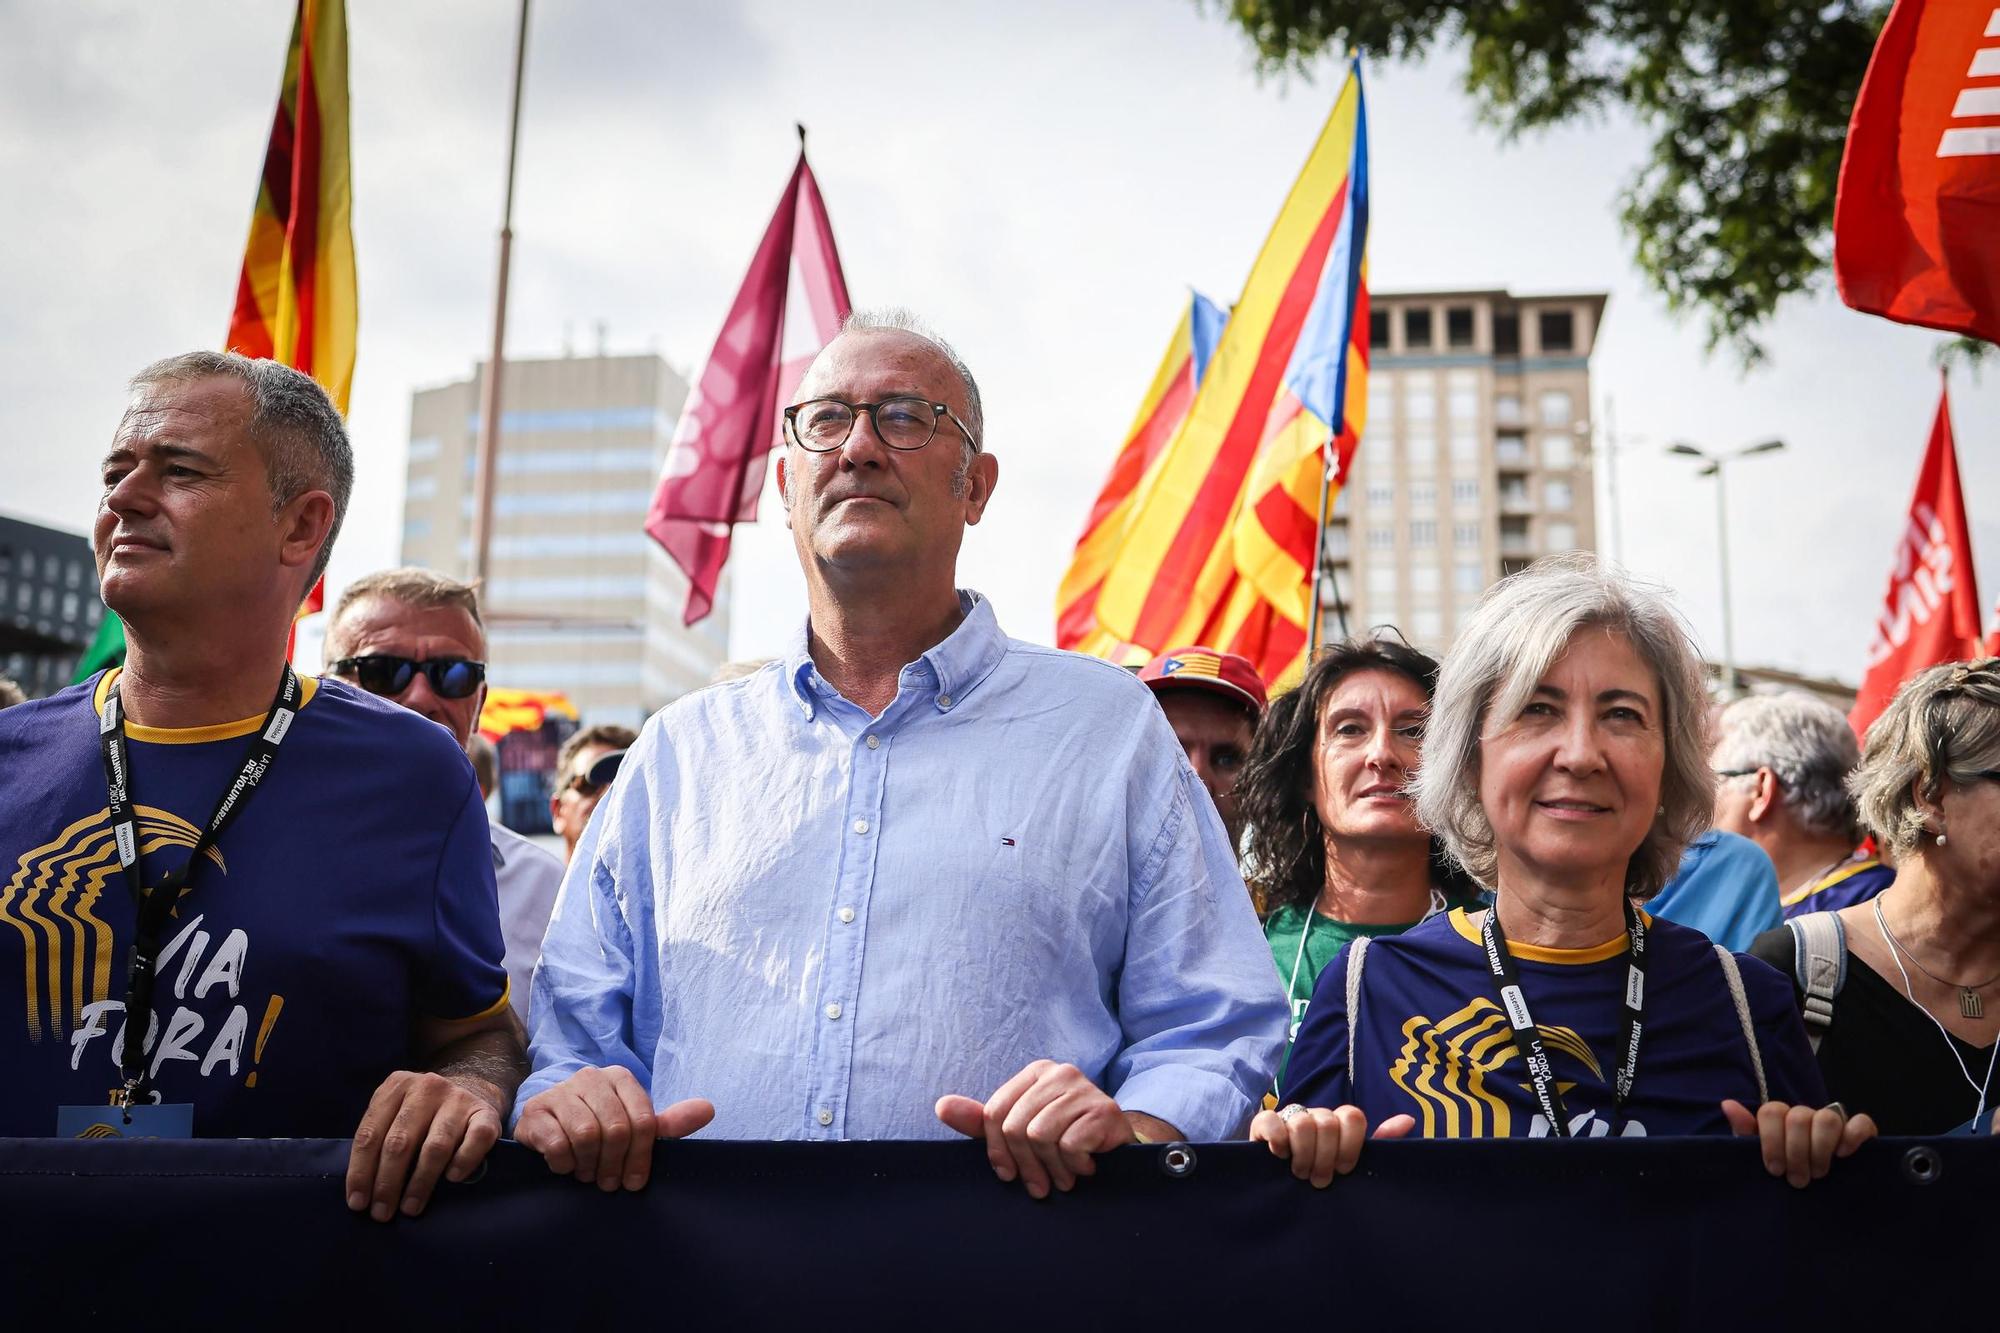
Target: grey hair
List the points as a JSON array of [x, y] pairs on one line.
[[1519, 629], [1805, 741], [1943, 725], [897, 319], [412, 586], [292, 421]]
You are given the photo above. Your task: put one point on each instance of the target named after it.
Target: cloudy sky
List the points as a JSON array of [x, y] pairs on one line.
[[1043, 181]]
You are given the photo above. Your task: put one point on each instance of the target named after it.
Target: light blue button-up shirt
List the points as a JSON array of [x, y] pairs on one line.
[[822, 921]]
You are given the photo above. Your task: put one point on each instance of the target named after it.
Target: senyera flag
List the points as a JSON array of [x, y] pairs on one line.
[[1918, 211], [295, 294], [1931, 614], [1215, 541], [714, 470]]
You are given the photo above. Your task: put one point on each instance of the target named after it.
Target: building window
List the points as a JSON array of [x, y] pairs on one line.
[[1553, 407], [1417, 328], [1468, 578], [1558, 451], [1462, 388], [1419, 400], [1381, 581], [424, 448], [1465, 536], [1381, 539], [1514, 493], [1506, 333], [1465, 492], [1555, 493], [1378, 328], [1424, 578], [1507, 409], [1378, 453], [1423, 495], [1464, 447], [1340, 504], [1561, 536], [1381, 495], [1423, 534], [1558, 331], [1381, 399], [421, 488], [1510, 450], [1458, 326], [1336, 543]]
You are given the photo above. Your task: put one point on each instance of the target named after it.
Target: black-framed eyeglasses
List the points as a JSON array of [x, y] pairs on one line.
[[1734, 772], [389, 675], [905, 422]]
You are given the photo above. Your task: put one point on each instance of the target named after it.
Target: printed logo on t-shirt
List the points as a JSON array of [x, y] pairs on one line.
[[1451, 1067]]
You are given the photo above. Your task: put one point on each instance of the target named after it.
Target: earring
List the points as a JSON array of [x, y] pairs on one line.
[[1661, 811], [1940, 841]]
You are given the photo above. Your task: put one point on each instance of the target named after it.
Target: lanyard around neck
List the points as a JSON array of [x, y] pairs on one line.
[[1528, 1037], [154, 907]]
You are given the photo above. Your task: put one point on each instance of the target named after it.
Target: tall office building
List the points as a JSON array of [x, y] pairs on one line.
[[1476, 458], [49, 607], [579, 598]]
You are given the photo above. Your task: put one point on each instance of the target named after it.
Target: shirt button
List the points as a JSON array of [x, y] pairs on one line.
[[846, 915], [833, 1010], [874, 742], [944, 701], [860, 826], [825, 1116]]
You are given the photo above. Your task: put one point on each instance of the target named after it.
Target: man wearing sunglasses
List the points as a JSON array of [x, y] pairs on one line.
[[415, 637], [293, 930], [585, 765], [913, 879]]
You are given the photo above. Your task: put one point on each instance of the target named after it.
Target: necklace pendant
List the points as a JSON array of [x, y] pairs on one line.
[[1969, 1003]]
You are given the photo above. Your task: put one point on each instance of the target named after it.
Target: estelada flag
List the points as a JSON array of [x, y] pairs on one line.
[[1916, 223], [1931, 614], [714, 470], [295, 295]]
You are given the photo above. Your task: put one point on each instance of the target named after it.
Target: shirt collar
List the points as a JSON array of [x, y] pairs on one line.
[[955, 667]]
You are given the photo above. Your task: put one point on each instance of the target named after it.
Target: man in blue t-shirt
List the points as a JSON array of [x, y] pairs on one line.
[[332, 955]]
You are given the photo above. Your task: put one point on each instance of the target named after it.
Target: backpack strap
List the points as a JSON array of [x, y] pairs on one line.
[[1819, 945], [1357, 954], [1734, 976]]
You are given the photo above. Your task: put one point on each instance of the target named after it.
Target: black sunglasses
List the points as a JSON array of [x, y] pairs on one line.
[[389, 676]]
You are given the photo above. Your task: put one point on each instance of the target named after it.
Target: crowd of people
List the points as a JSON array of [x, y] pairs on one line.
[[915, 878]]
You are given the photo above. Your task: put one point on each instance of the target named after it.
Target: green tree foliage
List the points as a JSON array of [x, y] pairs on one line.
[[1748, 101]]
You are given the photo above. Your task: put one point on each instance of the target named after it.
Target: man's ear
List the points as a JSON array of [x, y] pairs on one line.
[[784, 484], [1766, 796], [980, 479], [303, 527]]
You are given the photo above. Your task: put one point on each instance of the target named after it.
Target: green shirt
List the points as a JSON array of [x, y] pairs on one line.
[[1323, 943]]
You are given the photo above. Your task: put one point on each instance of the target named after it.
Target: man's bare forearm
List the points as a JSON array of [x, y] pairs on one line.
[[491, 1063]]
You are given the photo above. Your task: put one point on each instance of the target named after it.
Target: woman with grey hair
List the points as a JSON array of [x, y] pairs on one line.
[[1902, 993], [1565, 767]]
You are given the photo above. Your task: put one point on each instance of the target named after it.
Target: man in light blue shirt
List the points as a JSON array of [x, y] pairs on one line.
[[914, 878]]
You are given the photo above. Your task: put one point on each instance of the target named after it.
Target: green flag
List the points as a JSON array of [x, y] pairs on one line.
[[106, 650]]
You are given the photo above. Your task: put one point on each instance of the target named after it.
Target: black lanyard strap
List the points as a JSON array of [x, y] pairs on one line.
[[1528, 1037], [155, 907]]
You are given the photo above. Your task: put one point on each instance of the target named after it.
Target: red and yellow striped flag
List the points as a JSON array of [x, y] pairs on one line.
[[295, 299], [1214, 543]]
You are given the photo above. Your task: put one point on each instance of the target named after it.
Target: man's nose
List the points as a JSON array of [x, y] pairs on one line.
[[418, 697], [863, 446], [134, 493]]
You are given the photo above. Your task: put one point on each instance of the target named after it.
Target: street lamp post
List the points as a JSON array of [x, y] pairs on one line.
[[1730, 685]]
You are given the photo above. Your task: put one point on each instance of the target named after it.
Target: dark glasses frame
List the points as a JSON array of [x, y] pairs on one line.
[[389, 675], [939, 411]]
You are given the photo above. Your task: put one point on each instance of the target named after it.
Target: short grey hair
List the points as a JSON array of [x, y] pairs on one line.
[[1520, 627], [292, 421], [1807, 743], [412, 586], [1942, 726], [897, 319]]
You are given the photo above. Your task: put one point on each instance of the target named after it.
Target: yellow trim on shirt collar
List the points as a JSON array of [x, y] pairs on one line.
[[221, 731], [1542, 953]]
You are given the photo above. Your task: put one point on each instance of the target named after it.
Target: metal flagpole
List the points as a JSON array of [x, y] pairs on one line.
[[1320, 565], [483, 479]]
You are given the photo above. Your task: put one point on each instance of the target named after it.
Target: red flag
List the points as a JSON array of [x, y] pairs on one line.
[[715, 466], [1932, 612], [1918, 208]]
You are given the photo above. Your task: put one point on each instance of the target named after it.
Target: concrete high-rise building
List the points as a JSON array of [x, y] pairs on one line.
[[49, 605], [579, 598], [1476, 457]]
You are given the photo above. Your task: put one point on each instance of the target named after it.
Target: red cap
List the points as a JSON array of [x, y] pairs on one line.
[[1199, 668]]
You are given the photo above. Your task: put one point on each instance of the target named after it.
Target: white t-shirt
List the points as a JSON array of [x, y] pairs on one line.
[[528, 879]]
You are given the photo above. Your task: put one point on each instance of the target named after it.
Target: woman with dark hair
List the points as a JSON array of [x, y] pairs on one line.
[[1335, 851]]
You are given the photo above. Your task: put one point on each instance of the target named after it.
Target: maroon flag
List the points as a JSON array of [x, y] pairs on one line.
[[1917, 215], [715, 466], [1931, 614]]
